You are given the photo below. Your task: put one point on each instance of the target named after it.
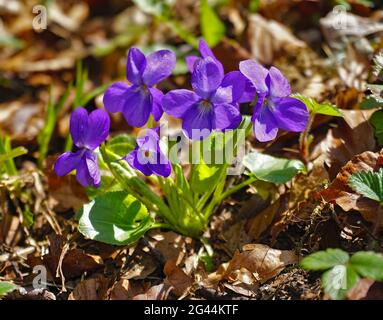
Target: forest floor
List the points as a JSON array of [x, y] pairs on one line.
[[257, 239]]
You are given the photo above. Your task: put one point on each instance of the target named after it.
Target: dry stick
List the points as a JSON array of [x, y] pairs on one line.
[[18, 253], [48, 213], [59, 271]]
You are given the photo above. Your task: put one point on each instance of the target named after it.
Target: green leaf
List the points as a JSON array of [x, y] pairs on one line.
[[212, 27], [122, 144], [205, 177], [271, 169], [28, 217], [115, 218], [369, 184], [369, 102], [368, 264], [377, 121], [7, 154], [323, 260], [52, 112], [13, 153], [92, 94], [108, 184], [325, 108], [6, 287], [338, 280], [122, 40]]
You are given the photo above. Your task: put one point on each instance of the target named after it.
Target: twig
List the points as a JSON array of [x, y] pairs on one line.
[[19, 253]]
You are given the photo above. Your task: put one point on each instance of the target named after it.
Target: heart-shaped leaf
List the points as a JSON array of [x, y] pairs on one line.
[[272, 169], [122, 144], [114, 218]]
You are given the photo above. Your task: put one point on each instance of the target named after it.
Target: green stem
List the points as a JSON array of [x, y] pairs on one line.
[[237, 187], [137, 187], [303, 143], [217, 192], [162, 225], [168, 183]]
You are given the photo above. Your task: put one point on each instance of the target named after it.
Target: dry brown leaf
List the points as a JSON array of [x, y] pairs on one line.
[[355, 68], [91, 289], [268, 38], [257, 225], [64, 192], [177, 278], [75, 261], [257, 263], [234, 237], [141, 266], [302, 197], [340, 193], [375, 292], [338, 24], [158, 292], [353, 136], [349, 99], [21, 119], [170, 244], [231, 54], [360, 290], [241, 289], [127, 289]]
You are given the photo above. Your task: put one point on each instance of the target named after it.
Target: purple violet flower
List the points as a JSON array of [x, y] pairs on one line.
[[274, 109], [88, 132], [212, 105], [204, 51], [243, 88], [139, 100], [148, 157]]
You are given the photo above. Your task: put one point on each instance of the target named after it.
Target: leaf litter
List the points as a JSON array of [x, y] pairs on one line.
[[258, 235]]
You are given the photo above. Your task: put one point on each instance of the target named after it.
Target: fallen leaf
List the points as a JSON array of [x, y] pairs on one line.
[[256, 263], [171, 245], [21, 119], [353, 25], [241, 289], [360, 290], [91, 289], [257, 225], [353, 136], [64, 192], [177, 278], [302, 198], [158, 292], [75, 261], [269, 38], [141, 266], [340, 192], [126, 289]]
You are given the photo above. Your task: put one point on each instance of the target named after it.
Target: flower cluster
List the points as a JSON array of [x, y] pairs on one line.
[[212, 104]]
